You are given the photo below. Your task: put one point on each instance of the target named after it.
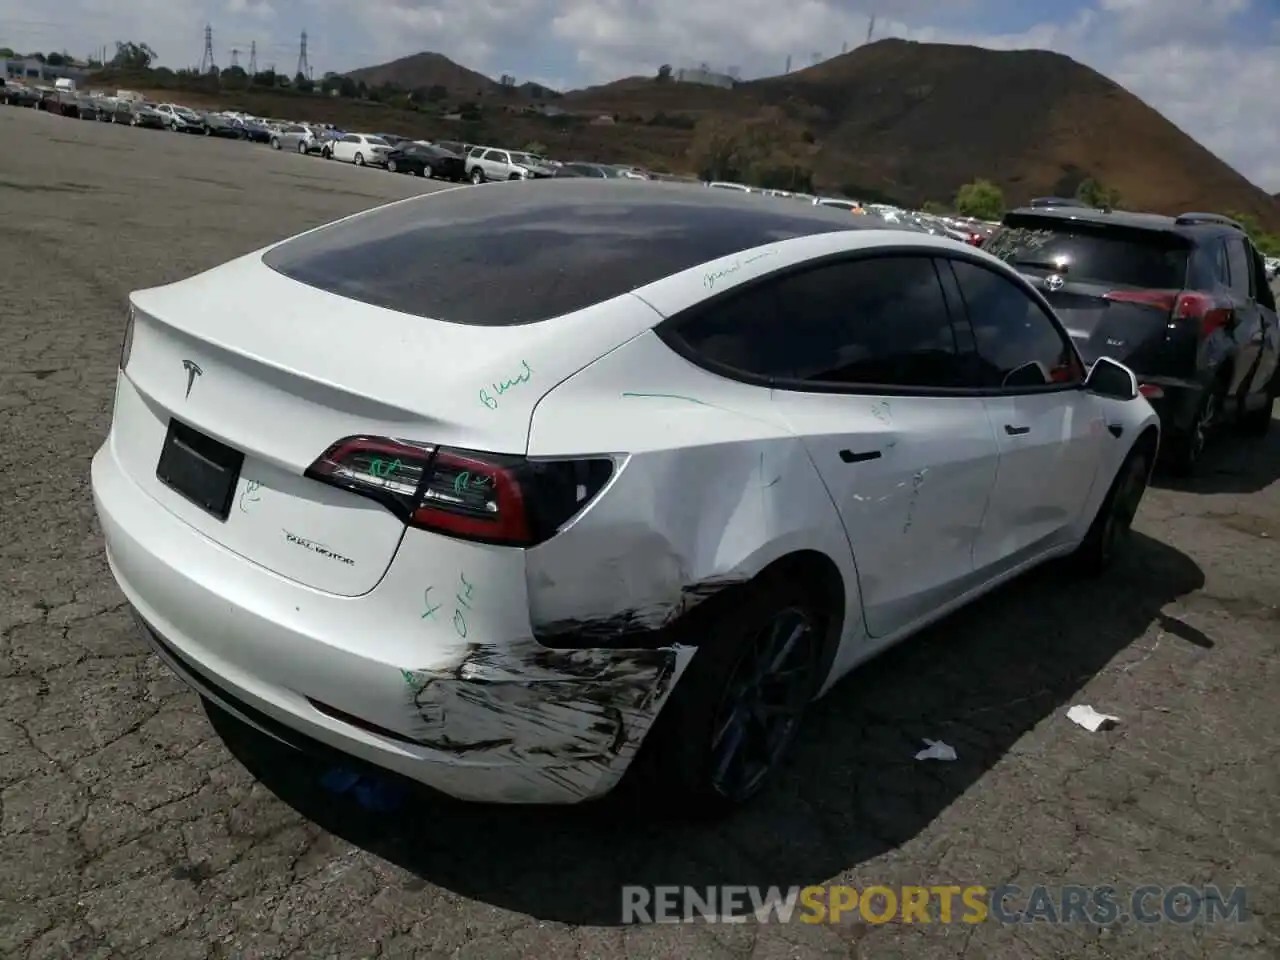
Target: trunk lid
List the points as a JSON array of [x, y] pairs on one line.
[[279, 371], [1133, 333], [1076, 263]]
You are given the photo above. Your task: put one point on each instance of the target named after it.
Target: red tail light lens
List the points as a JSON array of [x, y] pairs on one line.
[[1199, 307], [485, 497]]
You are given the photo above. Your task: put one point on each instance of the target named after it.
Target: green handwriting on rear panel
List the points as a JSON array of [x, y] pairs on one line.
[[382, 468], [490, 400]]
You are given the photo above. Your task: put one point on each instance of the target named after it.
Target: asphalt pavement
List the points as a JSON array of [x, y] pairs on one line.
[[135, 824]]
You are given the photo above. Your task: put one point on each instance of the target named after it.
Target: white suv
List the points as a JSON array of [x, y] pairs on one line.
[[492, 163]]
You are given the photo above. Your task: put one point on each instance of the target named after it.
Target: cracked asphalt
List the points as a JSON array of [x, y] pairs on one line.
[[136, 824]]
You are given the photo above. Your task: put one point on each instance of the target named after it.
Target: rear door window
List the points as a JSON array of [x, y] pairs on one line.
[[1100, 254], [1238, 264], [881, 322]]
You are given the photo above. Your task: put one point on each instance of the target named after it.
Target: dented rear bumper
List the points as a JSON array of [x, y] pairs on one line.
[[502, 721]]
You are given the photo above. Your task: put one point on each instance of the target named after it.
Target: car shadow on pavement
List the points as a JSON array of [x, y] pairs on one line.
[[1231, 464], [978, 681]]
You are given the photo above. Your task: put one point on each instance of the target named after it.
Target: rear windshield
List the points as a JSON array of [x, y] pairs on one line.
[[1102, 254], [511, 254]]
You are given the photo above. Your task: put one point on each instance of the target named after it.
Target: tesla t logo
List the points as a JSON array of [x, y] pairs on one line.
[[1054, 283], [193, 371]]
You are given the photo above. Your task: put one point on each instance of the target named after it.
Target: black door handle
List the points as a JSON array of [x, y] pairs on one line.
[[1013, 431], [848, 456]]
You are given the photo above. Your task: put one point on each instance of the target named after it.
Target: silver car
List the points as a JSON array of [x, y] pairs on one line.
[[298, 138]]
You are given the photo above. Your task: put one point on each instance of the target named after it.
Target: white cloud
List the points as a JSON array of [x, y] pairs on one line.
[[1211, 66]]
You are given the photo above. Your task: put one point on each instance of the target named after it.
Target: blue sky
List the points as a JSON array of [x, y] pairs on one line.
[[1211, 66]]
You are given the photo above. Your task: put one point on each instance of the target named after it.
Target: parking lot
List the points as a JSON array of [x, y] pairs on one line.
[[134, 824]]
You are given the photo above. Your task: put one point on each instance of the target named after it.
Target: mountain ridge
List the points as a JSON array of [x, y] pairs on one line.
[[919, 120]]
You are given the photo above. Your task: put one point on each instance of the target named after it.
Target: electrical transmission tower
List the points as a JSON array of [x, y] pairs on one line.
[[235, 58], [871, 27], [788, 69], [253, 57], [304, 67], [206, 59]]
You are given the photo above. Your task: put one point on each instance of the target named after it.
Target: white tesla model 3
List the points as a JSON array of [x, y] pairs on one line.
[[490, 487]]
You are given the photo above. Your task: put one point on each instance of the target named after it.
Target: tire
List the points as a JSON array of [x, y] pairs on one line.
[[477, 176], [275, 143], [391, 166], [427, 173], [302, 146], [359, 160], [1186, 449], [1111, 525], [678, 765]]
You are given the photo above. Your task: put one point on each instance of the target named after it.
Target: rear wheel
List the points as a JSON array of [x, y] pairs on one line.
[[359, 159], [427, 172], [477, 176], [736, 710], [275, 143], [1114, 520], [391, 166], [1186, 449], [302, 146]]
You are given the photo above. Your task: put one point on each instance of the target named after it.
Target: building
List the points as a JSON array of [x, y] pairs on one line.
[[704, 76], [37, 71]]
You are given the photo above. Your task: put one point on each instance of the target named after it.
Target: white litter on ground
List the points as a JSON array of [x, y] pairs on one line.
[[937, 750], [1091, 719]]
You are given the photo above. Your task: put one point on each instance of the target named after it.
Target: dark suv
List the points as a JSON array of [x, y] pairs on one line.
[[1183, 301]]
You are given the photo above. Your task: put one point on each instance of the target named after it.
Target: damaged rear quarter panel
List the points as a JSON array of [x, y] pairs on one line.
[[711, 488]]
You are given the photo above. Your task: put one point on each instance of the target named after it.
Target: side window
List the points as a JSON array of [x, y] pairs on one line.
[[496, 156], [1017, 344], [1221, 272], [862, 323], [350, 138], [1238, 261]]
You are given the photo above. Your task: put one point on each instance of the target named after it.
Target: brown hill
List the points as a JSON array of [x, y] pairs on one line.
[[421, 71], [897, 119], [917, 121]]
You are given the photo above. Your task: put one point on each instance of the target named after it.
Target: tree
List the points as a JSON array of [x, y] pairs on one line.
[[133, 56], [347, 88], [766, 151], [56, 59], [234, 78], [981, 199], [265, 78], [436, 93], [303, 83], [1267, 243], [934, 207], [535, 147], [1095, 194], [664, 73]]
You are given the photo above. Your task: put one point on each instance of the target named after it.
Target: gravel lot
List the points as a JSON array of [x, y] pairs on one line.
[[136, 825]]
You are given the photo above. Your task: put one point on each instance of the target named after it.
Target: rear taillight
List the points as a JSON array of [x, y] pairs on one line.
[[126, 346], [1198, 307], [486, 497]]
